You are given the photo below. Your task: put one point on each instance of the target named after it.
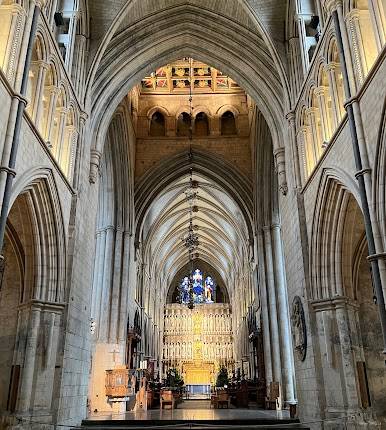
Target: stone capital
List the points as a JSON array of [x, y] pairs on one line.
[[353, 14], [320, 91], [331, 66], [290, 117], [331, 5], [311, 111], [95, 158]]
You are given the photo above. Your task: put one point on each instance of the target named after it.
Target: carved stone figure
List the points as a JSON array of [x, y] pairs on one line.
[[299, 331]]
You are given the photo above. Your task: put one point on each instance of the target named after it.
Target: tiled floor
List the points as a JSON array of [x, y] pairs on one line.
[[195, 410]]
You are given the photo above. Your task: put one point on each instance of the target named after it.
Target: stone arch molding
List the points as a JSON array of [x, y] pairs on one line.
[[45, 208], [227, 108], [379, 174], [137, 50], [248, 11], [155, 109], [334, 191]]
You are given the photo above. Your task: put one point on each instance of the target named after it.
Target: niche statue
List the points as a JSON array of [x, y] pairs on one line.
[[299, 330]]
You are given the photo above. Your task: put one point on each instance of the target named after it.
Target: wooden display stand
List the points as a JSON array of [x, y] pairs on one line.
[[117, 382]]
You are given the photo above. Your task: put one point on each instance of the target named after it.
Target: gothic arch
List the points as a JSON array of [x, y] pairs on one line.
[[155, 109], [199, 108], [172, 34], [182, 109], [42, 199], [252, 16], [226, 108], [337, 192]]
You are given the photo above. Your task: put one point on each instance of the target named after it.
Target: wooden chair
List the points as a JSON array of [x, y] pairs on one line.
[[272, 401], [223, 399], [167, 398], [214, 400]]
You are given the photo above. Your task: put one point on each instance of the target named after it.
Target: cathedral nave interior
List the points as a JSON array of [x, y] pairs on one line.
[[192, 213]]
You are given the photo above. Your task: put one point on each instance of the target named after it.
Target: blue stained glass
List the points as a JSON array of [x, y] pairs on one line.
[[203, 290]]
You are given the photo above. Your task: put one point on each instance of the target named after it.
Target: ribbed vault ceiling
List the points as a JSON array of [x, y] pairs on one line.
[[219, 223]]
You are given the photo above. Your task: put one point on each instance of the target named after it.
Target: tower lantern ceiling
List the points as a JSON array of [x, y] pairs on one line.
[[188, 74]]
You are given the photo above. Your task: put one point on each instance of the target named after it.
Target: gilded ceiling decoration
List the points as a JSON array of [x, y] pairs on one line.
[[178, 77]]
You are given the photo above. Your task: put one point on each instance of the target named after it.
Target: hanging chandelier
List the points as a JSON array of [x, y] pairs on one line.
[[190, 240]]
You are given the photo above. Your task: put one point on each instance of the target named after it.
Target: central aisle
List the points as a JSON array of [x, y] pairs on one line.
[[190, 410]]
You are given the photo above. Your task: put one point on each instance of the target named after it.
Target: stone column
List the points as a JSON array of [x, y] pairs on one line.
[[346, 47], [377, 13], [295, 153], [320, 93], [274, 329], [285, 332], [116, 287], [54, 92], [79, 73], [279, 155], [348, 365], [335, 97], [58, 145], [98, 269], [302, 38], [306, 159], [72, 151], [316, 144], [124, 285], [357, 47], [296, 71], [27, 376], [106, 284], [71, 41], [52, 11], [38, 96]]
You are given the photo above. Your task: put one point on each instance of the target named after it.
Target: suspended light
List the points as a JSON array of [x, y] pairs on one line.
[[190, 240]]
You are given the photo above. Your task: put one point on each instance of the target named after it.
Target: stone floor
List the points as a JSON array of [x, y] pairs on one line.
[[194, 410]]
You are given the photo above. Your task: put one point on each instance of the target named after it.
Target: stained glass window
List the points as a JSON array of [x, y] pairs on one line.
[[203, 289]]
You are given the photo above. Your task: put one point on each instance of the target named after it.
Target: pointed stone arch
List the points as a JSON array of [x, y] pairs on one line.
[[34, 293], [180, 36], [38, 188], [337, 192]]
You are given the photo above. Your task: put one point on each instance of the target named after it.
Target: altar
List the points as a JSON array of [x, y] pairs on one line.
[[198, 373], [195, 390]]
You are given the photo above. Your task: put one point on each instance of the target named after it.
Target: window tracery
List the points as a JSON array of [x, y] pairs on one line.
[[204, 289]]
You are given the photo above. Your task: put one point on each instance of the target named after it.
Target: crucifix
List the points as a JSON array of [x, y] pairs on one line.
[[114, 352]]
